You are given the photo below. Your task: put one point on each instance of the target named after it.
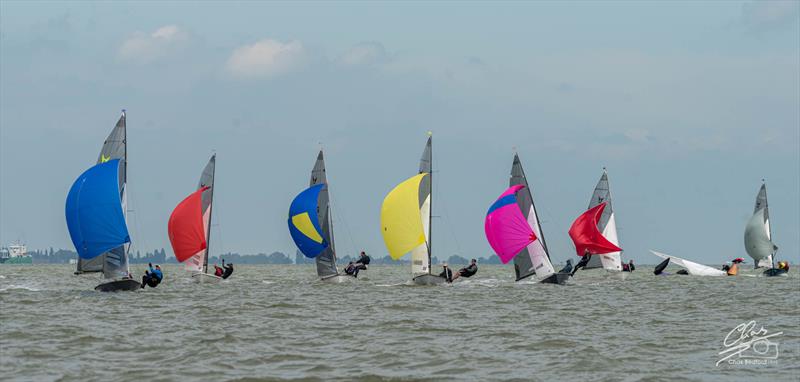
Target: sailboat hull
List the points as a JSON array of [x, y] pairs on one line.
[[205, 278], [124, 285], [556, 278], [337, 279], [772, 272], [428, 280]]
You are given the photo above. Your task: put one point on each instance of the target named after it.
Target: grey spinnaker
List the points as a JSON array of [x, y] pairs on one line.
[[602, 194], [524, 261], [326, 261], [207, 200], [758, 233], [113, 263]]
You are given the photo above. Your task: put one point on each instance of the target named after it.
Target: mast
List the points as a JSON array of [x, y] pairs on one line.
[[430, 215], [125, 247], [769, 226], [210, 215]]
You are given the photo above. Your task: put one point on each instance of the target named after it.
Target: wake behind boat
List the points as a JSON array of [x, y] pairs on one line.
[[406, 221], [97, 218], [311, 225]]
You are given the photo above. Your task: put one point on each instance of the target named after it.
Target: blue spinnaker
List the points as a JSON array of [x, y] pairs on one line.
[[304, 222], [94, 213]]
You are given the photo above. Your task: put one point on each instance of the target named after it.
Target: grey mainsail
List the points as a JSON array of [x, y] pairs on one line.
[[758, 234], [602, 194], [421, 256], [524, 261], [326, 261], [207, 199], [113, 263]]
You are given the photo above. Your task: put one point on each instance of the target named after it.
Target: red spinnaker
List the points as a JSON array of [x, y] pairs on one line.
[[587, 237], [185, 227]]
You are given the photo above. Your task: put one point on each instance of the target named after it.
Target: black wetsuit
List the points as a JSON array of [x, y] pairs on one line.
[[582, 264], [469, 271], [567, 268], [150, 280], [351, 270], [629, 267], [362, 262], [447, 274], [228, 271]]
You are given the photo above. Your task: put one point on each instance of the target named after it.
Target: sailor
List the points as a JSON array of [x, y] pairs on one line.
[[628, 267], [447, 273], [362, 262], [218, 271], [567, 268], [467, 271], [157, 273], [149, 279], [582, 264], [351, 269], [783, 265], [228, 269]]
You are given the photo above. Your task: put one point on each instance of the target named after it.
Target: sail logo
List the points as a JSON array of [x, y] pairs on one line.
[[748, 345], [104, 159]]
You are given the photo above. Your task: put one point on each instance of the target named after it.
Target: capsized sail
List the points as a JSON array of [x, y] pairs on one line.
[[93, 210], [586, 236], [661, 266], [187, 232], [691, 267], [607, 224], [535, 257], [757, 234], [114, 147], [507, 230]]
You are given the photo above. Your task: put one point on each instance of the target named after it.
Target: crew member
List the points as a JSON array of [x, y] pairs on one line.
[[447, 273], [228, 269], [467, 271], [582, 264]]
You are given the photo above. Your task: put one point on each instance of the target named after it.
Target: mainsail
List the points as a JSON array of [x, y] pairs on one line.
[[114, 147], [534, 258], [94, 211], [189, 224], [691, 267], [406, 217], [758, 235], [607, 225], [310, 222]]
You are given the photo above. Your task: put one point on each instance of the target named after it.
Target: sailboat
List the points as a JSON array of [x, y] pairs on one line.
[[607, 225], [587, 237], [758, 236], [96, 214], [406, 220], [691, 267], [311, 224], [189, 226], [514, 231]]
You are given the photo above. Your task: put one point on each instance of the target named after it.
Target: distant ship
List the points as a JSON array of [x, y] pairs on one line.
[[15, 254]]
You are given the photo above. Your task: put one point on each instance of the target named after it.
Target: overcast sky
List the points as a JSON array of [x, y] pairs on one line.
[[688, 104]]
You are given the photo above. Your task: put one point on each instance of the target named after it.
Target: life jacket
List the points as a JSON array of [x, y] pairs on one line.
[[733, 270]]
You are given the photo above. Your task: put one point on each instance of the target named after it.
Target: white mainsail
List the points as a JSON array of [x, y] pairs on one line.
[[607, 225], [757, 234], [693, 268]]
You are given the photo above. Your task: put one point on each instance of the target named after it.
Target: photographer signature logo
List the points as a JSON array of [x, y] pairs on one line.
[[746, 345]]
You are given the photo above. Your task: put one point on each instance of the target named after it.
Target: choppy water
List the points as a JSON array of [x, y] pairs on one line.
[[279, 323]]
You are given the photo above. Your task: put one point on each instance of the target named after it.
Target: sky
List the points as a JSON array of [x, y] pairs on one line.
[[689, 105]]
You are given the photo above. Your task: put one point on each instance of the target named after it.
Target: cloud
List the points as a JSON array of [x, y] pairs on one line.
[[763, 15], [145, 48], [266, 58], [365, 53]]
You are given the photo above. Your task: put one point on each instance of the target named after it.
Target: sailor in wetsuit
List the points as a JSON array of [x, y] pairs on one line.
[[218, 271], [468, 271], [567, 268], [152, 277], [228, 269], [362, 262], [582, 264], [447, 273], [351, 269]]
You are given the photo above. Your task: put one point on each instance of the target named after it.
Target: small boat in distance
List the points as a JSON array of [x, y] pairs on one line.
[[406, 220], [96, 215], [514, 231], [311, 224], [189, 226]]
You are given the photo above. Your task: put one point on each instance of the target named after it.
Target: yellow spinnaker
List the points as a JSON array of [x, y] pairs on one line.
[[401, 224]]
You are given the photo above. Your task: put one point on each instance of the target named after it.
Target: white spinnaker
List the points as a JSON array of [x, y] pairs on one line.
[[420, 260], [611, 261], [693, 268], [541, 263]]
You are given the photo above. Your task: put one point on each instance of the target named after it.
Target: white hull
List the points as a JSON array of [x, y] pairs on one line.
[[205, 278], [338, 279]]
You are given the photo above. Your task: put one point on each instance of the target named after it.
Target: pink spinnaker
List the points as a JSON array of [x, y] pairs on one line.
[[506, 227]]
